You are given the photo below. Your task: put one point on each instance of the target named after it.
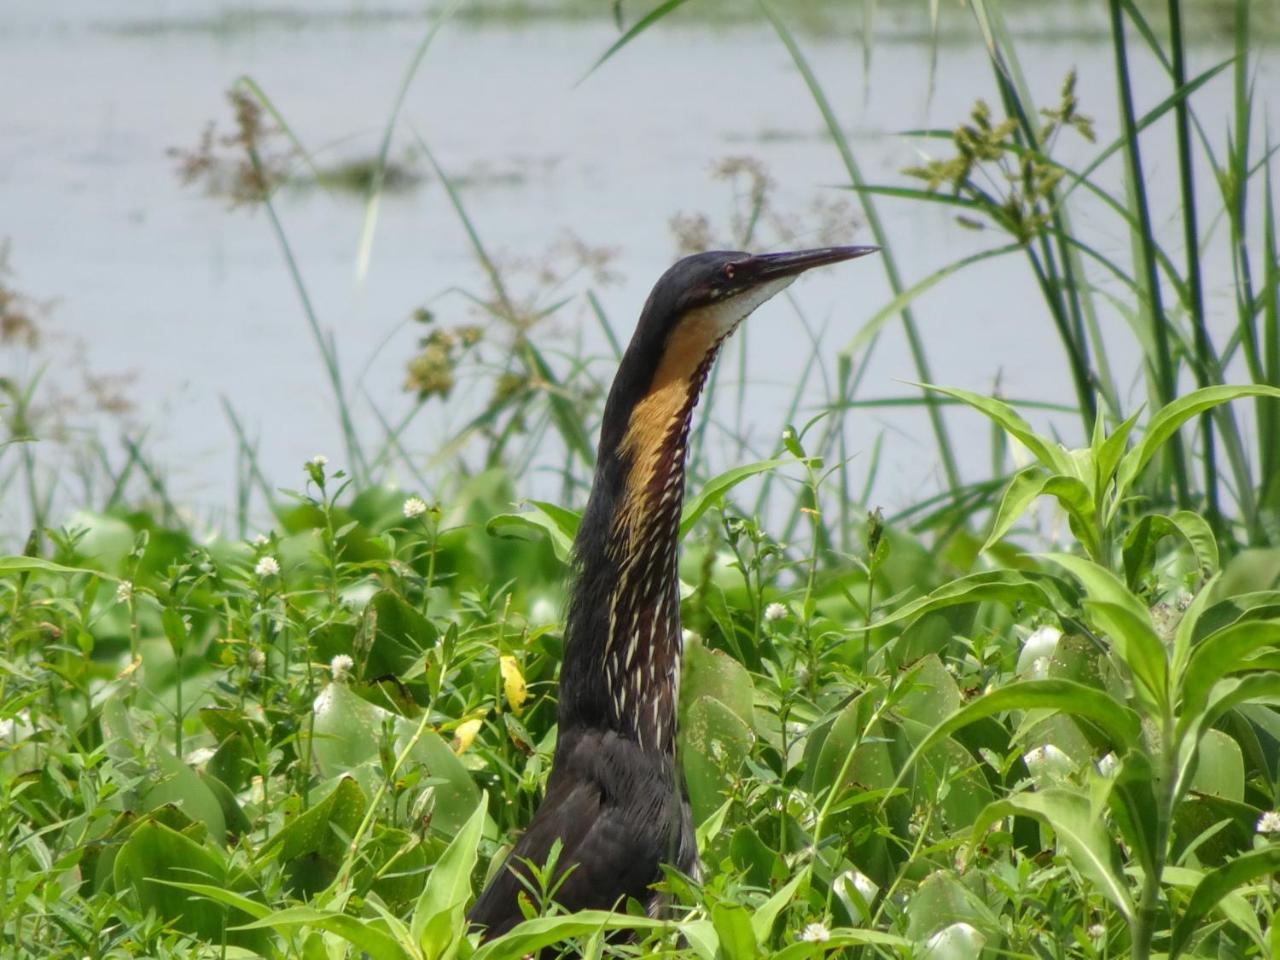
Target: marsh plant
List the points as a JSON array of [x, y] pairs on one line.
[[316, 732]]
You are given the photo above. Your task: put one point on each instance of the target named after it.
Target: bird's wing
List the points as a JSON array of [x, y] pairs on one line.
[[605, 854]]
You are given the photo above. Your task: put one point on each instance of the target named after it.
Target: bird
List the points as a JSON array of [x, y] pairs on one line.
[[615, 798]]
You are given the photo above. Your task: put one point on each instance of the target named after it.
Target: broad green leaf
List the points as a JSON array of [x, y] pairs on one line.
[[312, 847], [153, 856], [1119, 722], [179, 784], [401, 635], [1133, 806], [932, 695], [1165, 422], [1126, 621], [556, 524], [346, 730], [941, 900], [840, 939], [763, 917], [855, 752], [1226, 694], [1081, 832], [1247, 867], [714, 742], [1009, 587], [1222, 653], [1051, 456], [714, 490], [1219, 767], [438, 916], [456, 793], [1233, 905], [733, 926], [1190, 528], [711, 673], [1022, 491], [532, 935], [1135, 641], [1076, 500], [363, 934]]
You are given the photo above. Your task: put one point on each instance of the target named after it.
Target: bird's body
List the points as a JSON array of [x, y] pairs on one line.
[[615, 799]]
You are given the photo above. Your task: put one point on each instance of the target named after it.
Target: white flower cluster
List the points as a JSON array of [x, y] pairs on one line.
[[815, 933], [267, 567], [1269, 822], [414, 507], [340, 667], [775, 611], [124, 591]]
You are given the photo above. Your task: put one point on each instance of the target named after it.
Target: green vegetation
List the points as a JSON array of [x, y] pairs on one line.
[[903, 737]]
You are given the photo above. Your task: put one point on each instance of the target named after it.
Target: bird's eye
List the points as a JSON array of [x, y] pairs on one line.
[[728, 271]]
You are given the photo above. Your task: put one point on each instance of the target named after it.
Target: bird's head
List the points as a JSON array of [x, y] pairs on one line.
[[693, 308]]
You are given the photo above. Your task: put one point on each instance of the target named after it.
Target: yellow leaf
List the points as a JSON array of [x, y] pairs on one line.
[[464, 734], [513, 684]]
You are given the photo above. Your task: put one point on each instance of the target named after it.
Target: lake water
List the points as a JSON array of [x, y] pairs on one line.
[[166, 283]]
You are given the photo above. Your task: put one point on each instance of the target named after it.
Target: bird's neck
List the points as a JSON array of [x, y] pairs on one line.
[[621, 668]]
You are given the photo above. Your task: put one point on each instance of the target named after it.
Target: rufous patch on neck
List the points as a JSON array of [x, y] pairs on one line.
[[653, 418]]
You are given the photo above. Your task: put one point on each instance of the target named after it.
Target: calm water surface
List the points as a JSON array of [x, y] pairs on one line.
[[167, 283]]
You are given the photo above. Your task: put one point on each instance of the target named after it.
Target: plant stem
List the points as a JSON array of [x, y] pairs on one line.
[[1195, 291], [1166, 382]]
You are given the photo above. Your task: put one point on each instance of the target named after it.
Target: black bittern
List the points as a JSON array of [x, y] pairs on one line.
[[615, 797]]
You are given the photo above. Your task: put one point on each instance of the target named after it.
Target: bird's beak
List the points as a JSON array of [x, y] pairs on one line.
[[774, 266]]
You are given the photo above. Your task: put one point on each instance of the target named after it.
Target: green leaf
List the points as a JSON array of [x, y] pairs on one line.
[[839, 939], [1118, 721], [1009, 587], [401, 635], [1190, 528], [1219, 767], [712, 673], [456, 793], [1076, 499], [640, 26], [179, 784], [942, 900], [1124, 619], [313, 846], [153, 859], [1106, 456], [222, 895], [764, 916], [714, 742], [1221, 653], [1168, 419], [1049, 454], [714, 490], [1080, 831], [360, 933], [1022, 491], [532, 935], [1217, 884], [438, 916], [1133, 805], [733, 926], [545, 520], [1185, 632], [12, 565]]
